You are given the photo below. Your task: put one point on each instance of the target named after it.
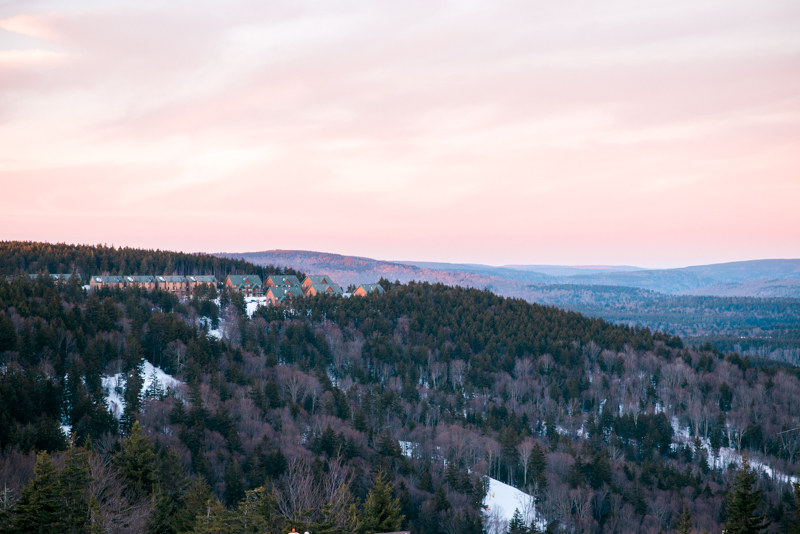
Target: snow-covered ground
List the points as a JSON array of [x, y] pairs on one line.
[[502, 500], [726, 455], [115, 386], [407, 447], [253, 303]]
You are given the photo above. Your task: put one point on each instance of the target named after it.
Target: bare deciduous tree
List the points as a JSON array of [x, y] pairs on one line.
[[525, 448], [120, 512], [301, 499]]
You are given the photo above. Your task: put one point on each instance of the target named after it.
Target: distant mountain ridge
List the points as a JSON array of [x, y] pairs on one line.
[[761, 278], [752, 307]]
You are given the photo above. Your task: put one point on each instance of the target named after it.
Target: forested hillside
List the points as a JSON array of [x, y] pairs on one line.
[[755, 323], [19, 257], [371, 414]]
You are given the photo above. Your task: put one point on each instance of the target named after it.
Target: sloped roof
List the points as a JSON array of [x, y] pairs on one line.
[[171, 279], [327, 289], [202, 278], [108, 279], [284, 280], [318, 279], [242, 279], [281, 292], [140, 279], [370, 288]]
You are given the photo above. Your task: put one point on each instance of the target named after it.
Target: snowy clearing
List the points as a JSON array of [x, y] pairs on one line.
[[502, 500], [115, 386], [253, 303]]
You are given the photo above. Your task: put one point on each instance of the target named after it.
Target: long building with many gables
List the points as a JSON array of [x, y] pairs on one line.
[[277, 289]]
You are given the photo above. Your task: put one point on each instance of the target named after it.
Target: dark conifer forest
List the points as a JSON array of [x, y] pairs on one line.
[[361, 415]]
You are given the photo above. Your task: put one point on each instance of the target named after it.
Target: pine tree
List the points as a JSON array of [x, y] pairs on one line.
[[214, 519], [73, 489], [133, 396], [195, 502], [537, 469], [40, 509], [637, 499], [387, 446], [8, 334], [154, 391], [794, 528], [744, 502], [360, 421], [381, 511], [517, 525], [685, 522], [234, 482], [136, 461], [96, 522]]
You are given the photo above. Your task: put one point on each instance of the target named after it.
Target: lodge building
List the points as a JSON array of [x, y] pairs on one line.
[[178, 285], [278, 289], [368, 289], [247, 284], [145, 282]]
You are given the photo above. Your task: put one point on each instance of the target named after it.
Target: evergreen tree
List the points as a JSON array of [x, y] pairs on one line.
[[255, 513], [637, 498], [213, 519], [194, 505], [168, 493], [136, 461], [133, 395], [685, 522], [8, 334], [381, 510], [234, 482], [73, 490], [794, 528], [360, 421], [96, 521], [155, 390], [517, 525], [40, 509], [537, 469], [388, 447], [743, 504]]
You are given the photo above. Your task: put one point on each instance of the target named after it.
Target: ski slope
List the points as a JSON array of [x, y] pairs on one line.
[[502, 500]]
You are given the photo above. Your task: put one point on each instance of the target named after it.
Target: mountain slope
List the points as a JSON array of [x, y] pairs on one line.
[[745, 278], [613, 428]]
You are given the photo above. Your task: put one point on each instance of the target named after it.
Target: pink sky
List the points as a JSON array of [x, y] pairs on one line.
[[656, 134]]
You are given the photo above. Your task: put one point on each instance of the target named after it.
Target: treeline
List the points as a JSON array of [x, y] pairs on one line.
[[20, 257]]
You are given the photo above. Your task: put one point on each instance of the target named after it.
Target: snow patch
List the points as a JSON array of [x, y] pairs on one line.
[[502, 500], [114, 386], [726, 455], [253, 303], [407, 447]]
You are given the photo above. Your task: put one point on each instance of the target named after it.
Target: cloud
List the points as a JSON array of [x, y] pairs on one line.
[[507, 131], [39, 26]]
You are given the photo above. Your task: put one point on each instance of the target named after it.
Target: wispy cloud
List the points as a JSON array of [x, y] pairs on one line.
[[503, 132]]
